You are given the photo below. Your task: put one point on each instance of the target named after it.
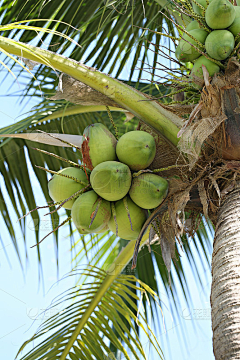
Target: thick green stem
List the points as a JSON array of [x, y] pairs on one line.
[[137, 103], [123, 258]]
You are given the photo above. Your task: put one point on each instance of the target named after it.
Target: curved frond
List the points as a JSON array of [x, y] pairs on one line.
[[82, 329], [109, 33]]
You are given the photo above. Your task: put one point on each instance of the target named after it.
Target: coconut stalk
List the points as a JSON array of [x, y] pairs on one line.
[[153, 114]]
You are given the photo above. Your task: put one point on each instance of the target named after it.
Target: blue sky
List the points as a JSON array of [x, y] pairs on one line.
[[23, 297]]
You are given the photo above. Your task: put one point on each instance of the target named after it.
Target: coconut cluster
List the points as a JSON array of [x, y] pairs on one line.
[[113, 189], [215, 34]]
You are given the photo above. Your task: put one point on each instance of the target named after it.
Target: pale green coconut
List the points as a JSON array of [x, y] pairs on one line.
[[220, 14], [219, 44], [212, 68], [193, 25], [136, 149], [106, 228], [99, 145], [235, 27], [85, 232], [197, 9], [148, 190], [83, 211], [188, 52], [137, 215], [61, 188], [179, 55], [111, 180]]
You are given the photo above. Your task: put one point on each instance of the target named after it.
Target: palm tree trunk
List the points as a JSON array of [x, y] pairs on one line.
[[225, 293]]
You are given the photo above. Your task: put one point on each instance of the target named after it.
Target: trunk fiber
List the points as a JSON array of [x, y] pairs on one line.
[[225, 293]]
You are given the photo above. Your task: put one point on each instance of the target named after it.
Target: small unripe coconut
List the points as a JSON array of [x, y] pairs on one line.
[[136, 149], [83, 211], [106, 228], [189, 53], [197, 9], [99, 145], [85, 232], [193, 25], [179, 54], [111, 180], [61, 188], [219, 44], [212, 68], [220, 14], [137, 215], [148, 190], [235, 27]]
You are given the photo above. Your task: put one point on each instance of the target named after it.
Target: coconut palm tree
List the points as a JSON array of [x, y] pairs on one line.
[[202, 167]]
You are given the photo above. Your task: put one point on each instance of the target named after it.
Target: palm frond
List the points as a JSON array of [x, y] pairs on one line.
[[109, 33], [101, 251], [82, 329]]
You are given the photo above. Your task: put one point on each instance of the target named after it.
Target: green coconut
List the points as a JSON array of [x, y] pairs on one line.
[[61, 188], [106, 228], [193, 25], [212, 68], [83, 211], [219, 44], [99, 145], [220, 14], [85, 232], [111, 180], [137, 215], [179, 55], [136, 149], [148, 190], [235, 27], [197, 9], [188, 52]]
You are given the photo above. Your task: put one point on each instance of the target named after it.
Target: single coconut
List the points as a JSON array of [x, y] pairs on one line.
[[137, 149], [83, 211], [137, 215], [219, 44], [148, 190], [188, 52], [220, 14], [235, 27], [193, 25], [197, 8], [111, 180], [106, 228], [179, 54], [197, 70], [99, 145], [61, 188], [85, 232]]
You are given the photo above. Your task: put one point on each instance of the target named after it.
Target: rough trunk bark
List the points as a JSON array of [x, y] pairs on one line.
[[225, 293]]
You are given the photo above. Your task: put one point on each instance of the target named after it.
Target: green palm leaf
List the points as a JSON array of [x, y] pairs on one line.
[[107, 32], [82, 329]]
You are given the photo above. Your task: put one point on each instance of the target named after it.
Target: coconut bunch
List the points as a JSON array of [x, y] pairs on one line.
[[113, 188], [211, 38]]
